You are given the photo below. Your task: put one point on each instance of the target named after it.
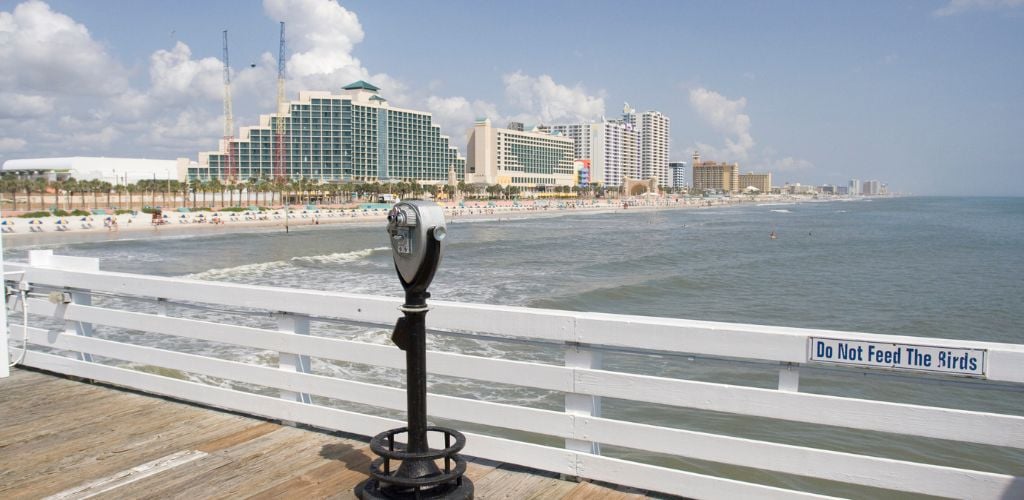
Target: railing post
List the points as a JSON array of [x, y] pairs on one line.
[[5, 369], [789, 377], [298, 325], [577, 356], [45, 258]]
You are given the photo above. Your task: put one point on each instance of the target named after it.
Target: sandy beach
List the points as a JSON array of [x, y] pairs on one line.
[[53, 228]]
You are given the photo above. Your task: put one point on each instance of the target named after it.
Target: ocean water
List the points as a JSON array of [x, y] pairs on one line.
[[934, 267]]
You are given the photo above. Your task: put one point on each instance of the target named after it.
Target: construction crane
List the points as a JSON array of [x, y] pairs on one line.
[[231, 168], [282, 111]]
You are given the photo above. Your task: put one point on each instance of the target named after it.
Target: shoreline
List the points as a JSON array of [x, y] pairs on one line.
[[19, 231]]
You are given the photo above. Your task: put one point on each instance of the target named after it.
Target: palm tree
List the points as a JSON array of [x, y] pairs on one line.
[[216, 187], [105, 186], [26, 186], [9, 184]]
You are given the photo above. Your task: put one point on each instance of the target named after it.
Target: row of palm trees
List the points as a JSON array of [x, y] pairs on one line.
[[70, 193], [19, 192]]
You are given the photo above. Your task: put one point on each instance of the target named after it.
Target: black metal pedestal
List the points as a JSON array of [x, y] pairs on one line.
[[437, 483], [418, 476]]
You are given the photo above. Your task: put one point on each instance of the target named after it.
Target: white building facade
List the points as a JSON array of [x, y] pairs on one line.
[[580, 135], [653, 130], [614, 153], [117, 171], [530, 160], [677, 174]]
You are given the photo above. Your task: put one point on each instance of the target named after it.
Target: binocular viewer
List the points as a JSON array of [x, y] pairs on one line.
[[416, 232]]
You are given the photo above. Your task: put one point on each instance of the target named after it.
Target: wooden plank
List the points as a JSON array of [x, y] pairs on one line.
[[943, 423], [239, 437], [509, 481], [239, 471], [505, 450], [345, 467], [122, 478], [77, 447], [591, 491], [243, 457]]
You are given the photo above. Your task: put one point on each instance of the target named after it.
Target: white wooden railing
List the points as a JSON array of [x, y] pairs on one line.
[[61, 289]]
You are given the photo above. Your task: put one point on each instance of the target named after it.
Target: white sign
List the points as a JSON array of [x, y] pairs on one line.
[[967, 362]]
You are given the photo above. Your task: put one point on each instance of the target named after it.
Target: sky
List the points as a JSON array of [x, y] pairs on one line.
[[926, 96]]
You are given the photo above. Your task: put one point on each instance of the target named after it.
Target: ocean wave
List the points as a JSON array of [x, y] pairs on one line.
[[782, 211], [224, 274], [338, 258], [263, 268]]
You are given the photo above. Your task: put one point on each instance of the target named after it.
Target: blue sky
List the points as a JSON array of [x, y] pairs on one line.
[[926, 96]]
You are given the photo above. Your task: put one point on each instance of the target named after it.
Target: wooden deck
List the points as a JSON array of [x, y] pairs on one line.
[[62, 438]]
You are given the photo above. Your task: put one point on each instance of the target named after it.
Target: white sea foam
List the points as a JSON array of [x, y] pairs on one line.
[[225, 274], [230, 272], [340, 257], [782, 211]]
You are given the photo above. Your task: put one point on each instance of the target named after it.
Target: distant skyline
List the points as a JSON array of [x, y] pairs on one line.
[[925, 96]]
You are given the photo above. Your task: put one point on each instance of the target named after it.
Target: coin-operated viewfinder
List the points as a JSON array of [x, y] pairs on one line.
[[417, 233]]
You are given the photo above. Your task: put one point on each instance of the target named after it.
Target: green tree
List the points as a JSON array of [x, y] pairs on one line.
[[216, 186], [9, 184]]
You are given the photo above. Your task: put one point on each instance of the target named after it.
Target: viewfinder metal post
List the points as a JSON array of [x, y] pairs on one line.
[[416, 231]]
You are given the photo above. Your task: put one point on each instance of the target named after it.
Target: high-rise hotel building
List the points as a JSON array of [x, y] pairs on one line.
[[580, 135], [713, 176], [635, 146], [761, 182], [353, 136], [531, 160], [614, 150], [677, 172], [653, 130]]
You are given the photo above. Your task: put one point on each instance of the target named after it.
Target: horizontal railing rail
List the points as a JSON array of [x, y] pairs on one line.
[[68, 346]]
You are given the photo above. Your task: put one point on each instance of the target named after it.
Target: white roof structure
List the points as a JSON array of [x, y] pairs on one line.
[[112, 170]]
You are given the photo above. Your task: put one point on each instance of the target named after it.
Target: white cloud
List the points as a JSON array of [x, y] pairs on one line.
[[790, 164], [457, 114], [15, 105], [93, 140], [173, 74], [321, 36], [48, 51], [70, 96], [541, 100], [726, 117], [11, 144], [960, 6]]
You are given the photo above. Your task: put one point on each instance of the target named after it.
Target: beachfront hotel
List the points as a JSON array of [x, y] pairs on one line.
[[713, 176], [652, 127], [677, 174], [532, 160], [614, 146], [580, 135], [635, 146], [352, 136], [761, 182]]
